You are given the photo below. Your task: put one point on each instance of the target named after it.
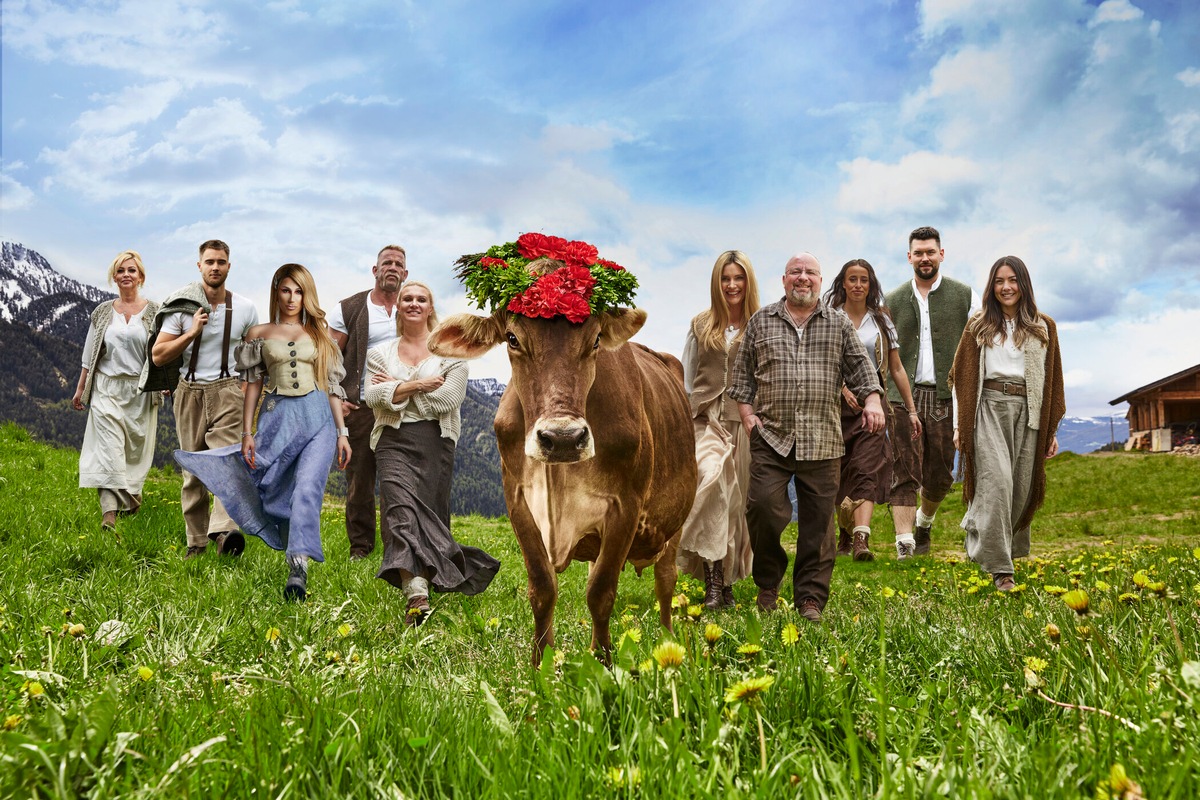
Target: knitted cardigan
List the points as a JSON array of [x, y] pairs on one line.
[[100, 319], [1049, 406]]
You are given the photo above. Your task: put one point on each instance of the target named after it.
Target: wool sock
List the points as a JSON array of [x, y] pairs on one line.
[[924, 521], [416, 586], [862, 529], [906, 537]]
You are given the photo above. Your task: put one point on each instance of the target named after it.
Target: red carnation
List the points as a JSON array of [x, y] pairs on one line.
[[576, 280], [488, 261], [604, 262], [578, 254], [537, 245], [574, 308]]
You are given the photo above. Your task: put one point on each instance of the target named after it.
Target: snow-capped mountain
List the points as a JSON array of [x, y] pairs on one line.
[[33, 293], [1088, 434], [489, 386]]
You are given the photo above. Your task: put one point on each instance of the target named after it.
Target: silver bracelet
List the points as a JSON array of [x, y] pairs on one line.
[[246, 433], [344, 431]]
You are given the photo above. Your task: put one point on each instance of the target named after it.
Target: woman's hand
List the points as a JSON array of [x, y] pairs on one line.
[[851, 400], [343, 452], [77, 400], [378, 378], [248, 449], [427, 385], [956, 447], [1053, 449], [918, 428]]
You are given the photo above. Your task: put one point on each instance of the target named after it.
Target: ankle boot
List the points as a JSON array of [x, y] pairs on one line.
[[296, 587], [714, 578], [862, 550], [844, 547], [727, 596]]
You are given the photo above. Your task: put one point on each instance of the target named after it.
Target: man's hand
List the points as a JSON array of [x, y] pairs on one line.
[[851, 400], [873, 417]]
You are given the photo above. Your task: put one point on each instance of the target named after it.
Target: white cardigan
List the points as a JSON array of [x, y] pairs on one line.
[[442, 404]]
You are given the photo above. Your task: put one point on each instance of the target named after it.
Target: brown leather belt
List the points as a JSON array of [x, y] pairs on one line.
[[1005, 387]]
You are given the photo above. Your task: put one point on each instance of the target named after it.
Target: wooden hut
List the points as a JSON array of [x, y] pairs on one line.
[[1165, 414]]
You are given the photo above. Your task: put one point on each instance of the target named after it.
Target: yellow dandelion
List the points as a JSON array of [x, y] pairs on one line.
[[1140, 579], [1158, 587], [77, 630], [1129, 598], [1053, 633], [1172, 560], [622, 777], [887, 591], [1101, 586], [145, 673], [789, 635], [749, 650], [1036, 664], [646, 665], [345, 629], [679, 601], [1027, 613], [712, 632], [973, 589], [669, 655], [272, 635], [1084, 631], [1196, 553], [12, 721], [1118, 786], [67, 612], [694, 611], [33, 689], [1018, 588], [333, 656], [1077, 600], [750, 690], [1057, 591], [493, 622], [635, 634]]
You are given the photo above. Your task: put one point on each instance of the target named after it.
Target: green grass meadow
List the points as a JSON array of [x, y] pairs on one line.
[[921, 682]]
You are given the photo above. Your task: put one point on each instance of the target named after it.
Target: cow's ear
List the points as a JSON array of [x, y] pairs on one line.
[[466, 336], [619, 325]]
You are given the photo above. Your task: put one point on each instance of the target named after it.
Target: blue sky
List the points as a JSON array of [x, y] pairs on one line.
[[1062, 131]]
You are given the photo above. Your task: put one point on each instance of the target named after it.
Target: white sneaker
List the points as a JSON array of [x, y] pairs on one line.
[[905, 549]]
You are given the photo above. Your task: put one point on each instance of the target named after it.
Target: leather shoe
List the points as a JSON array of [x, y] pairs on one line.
[[1003, 583], [862, 550], [844, 547], [768, 599], [193, 551], [230, 543], [358, 555], [417, 611], [810, 609], [923, 537]]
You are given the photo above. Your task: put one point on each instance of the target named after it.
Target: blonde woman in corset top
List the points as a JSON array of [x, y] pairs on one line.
[[715, 543], [273, 484]]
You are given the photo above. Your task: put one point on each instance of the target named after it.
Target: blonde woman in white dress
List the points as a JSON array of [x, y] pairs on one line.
[[118, 442]]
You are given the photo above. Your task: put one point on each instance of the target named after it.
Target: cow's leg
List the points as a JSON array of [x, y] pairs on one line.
[[543, 582], [665, 574], [602, 583]]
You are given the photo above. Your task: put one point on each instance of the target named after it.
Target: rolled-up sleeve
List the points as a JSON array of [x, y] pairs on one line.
[[449, 395], [743, 386], [379, 395]]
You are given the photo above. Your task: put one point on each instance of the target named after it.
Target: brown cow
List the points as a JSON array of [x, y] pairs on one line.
[[597, 453]]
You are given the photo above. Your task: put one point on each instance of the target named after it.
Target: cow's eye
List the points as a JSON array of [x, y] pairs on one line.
[[596, 346], [512, 341]]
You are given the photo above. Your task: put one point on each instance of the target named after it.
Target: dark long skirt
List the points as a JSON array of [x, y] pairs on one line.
[[415, 464]]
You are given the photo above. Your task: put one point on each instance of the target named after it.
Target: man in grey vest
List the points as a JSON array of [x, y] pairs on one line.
[[198, 328], [930, 312], [357, 324]]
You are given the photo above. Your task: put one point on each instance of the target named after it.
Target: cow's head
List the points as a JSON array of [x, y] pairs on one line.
[[553, 367]]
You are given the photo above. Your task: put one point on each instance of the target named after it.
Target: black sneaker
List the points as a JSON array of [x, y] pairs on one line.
[[923, 537]]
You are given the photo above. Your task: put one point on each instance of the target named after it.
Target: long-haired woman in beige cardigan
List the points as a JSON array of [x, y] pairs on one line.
[[1007, 378]]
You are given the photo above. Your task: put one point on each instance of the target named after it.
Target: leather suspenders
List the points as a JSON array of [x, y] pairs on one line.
[[191, 373]]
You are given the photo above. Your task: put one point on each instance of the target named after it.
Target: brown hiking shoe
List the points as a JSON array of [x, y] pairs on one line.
[[193, 551], [844, 547], [923, 537], [417, 611], [230, 543], [714, 579], [1004, 583], [862, 552], [768, 599], [810, 609]]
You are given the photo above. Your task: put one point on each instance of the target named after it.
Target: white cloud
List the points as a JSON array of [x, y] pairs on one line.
[[1115, 11], [130, 107], [13, 194], [1189, 77], [921, 184]]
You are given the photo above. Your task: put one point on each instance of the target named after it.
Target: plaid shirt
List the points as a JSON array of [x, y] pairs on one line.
[[793, 377]]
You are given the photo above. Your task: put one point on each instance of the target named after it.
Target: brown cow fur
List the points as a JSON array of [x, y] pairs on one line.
[[624, 502]]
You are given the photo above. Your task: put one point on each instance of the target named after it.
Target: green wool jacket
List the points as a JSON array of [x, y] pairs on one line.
[[949, 307]]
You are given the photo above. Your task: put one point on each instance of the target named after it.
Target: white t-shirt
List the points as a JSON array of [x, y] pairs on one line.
[[1004, 360], [381, 327], [868, 332], [208, 366]]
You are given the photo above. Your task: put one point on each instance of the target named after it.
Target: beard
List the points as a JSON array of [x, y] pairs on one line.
[[214, 283], [928, 272], [802, 298]]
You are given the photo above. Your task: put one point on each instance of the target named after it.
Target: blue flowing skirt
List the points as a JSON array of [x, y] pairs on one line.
[[279, 501]]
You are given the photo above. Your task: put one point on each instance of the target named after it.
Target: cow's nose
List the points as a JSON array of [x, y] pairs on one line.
[[563, 439]]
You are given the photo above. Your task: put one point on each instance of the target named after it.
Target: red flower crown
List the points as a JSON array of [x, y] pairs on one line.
[[585, 284]]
